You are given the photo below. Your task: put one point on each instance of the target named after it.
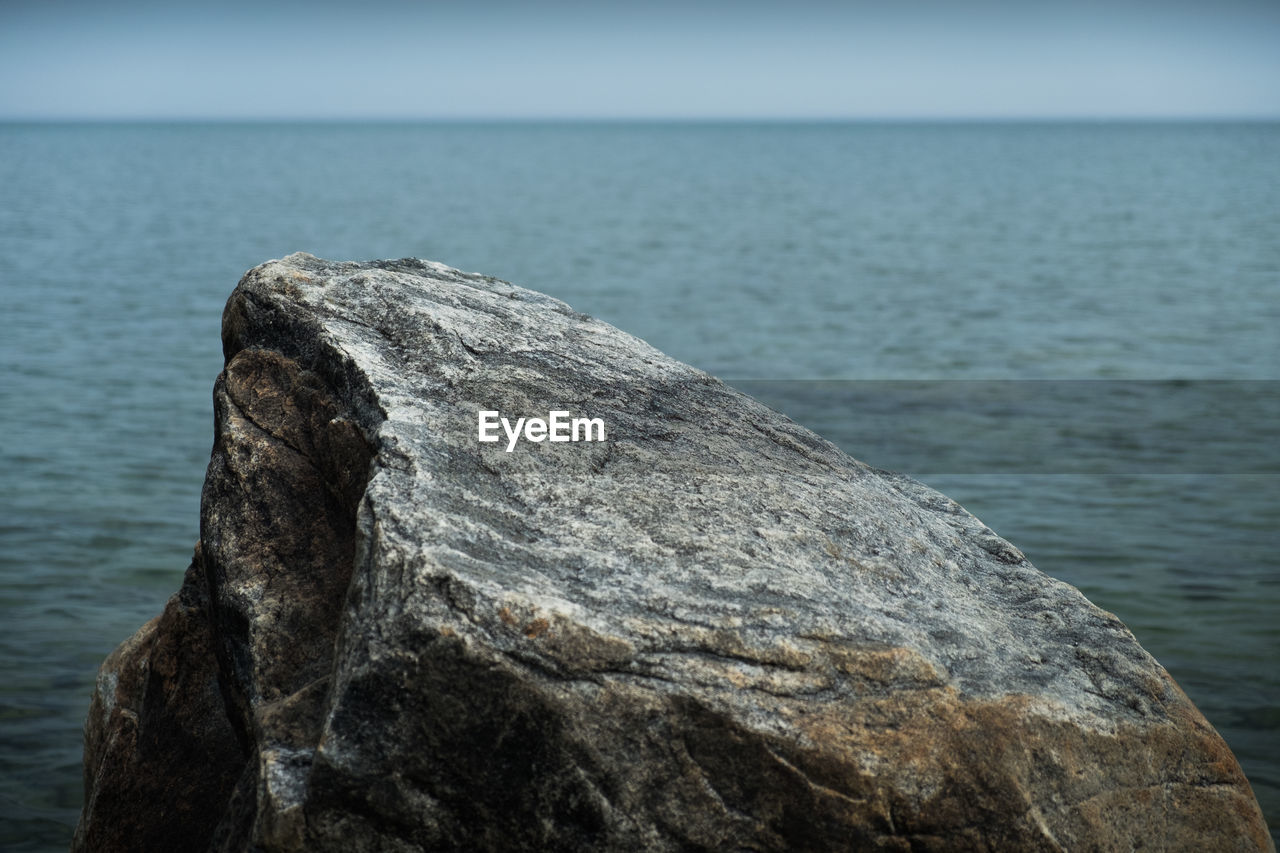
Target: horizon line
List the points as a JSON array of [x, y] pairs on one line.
[[1250, 118]]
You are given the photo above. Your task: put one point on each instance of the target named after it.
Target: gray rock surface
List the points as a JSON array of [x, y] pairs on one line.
[[710, 631]]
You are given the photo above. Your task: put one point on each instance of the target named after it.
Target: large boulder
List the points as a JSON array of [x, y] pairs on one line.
[[710, 630]]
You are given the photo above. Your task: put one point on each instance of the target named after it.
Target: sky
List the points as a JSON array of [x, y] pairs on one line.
[[493, 59]]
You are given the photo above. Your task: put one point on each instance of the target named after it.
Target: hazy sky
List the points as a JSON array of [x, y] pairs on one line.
[[561, 58]]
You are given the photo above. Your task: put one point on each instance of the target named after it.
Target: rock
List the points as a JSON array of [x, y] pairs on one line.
[[711, 630]]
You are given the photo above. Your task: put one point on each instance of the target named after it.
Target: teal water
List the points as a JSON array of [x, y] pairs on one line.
[[788, 253]]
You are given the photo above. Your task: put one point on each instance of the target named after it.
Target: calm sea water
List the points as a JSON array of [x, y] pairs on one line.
[[812, 263]]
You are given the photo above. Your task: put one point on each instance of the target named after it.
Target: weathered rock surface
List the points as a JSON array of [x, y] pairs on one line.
[[711, 631]]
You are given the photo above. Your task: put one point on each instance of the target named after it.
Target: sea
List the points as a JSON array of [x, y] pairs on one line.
[[1072, 328]]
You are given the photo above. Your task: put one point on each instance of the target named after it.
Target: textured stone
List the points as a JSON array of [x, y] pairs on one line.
[[712, 630]]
